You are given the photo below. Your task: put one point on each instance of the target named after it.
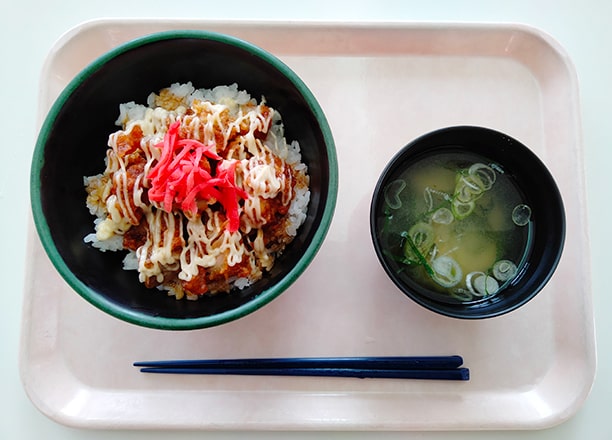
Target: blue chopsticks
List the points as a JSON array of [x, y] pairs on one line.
[[385, 367], [362, 373], [384, 362]]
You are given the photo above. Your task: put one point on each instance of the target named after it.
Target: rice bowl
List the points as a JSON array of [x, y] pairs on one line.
[[123, 75]]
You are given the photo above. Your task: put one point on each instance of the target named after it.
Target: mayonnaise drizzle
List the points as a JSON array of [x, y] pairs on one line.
[[157, 254], [180, 244]]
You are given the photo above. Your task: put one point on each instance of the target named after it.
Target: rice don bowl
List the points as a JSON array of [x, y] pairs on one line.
[[201, 189]]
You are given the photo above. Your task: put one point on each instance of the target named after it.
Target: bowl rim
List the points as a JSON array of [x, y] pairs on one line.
[[166, 323], [447, 309]]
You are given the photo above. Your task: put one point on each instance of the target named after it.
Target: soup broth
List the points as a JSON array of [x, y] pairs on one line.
[[457, 225]]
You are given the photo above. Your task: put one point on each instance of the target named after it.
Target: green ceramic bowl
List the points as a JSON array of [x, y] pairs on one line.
[[72, 144]]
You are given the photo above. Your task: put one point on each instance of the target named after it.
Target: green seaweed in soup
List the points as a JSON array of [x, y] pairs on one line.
[[457, 225]]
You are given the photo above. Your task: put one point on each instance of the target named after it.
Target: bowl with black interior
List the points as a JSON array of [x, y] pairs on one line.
[[468, 222], [183, 180]]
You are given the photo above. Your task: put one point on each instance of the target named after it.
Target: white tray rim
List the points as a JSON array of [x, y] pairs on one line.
[[187, 23]]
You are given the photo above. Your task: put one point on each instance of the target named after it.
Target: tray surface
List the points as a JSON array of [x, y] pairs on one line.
[[381, 85]]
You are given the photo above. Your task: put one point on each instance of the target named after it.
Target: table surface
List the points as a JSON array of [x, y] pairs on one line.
[[582, 28]]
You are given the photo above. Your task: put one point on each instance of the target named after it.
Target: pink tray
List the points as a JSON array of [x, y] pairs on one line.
[[381, 85]]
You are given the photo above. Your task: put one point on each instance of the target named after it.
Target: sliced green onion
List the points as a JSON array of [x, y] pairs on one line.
[[428, 198], [465, 193], [484, 174], [461, 294], [469, 280], [469, 187], [420, 237], [462, 210], [415, 251], [423, 236], [521, 215], [392, 192], [504, 270], [481, 284], [471, 183], [443, 216], [447, 271]]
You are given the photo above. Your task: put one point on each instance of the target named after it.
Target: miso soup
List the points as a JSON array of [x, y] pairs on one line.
[[455, 224]]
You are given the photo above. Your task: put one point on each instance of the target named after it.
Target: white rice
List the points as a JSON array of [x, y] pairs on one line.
[[130, 261], [297, 210], [113, 244]]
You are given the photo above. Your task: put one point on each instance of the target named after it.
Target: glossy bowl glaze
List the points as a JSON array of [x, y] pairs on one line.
[[546, 227], [72, 144]]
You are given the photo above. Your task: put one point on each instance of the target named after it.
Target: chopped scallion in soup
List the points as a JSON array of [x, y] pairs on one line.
[[456, 225]]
